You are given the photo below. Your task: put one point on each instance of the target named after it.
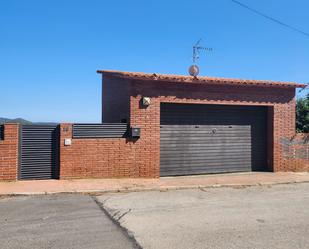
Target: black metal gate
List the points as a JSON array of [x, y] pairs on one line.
[[39, 152], [198, 139]]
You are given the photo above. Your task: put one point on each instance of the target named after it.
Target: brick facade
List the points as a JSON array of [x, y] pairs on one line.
[[280, 101], [296, 152], [96, 158], [121, 101], [9, 153]]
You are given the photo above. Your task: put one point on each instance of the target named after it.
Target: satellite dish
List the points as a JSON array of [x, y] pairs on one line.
[[194, 70]]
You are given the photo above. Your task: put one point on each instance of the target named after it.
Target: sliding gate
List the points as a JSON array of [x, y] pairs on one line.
[[39, 153]]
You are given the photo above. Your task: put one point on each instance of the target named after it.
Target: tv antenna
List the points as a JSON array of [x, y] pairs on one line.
[[194, 69]]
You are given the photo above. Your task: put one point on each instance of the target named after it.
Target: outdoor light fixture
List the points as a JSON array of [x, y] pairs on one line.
[[146, 101]]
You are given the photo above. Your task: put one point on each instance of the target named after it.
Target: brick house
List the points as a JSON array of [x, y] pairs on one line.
[[188, 125], [242, 121]]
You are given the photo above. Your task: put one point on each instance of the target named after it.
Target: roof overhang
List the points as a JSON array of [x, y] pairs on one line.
[[197, 80]]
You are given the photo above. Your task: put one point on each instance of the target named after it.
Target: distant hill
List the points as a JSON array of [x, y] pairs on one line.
[[15, 120], [21, 121]]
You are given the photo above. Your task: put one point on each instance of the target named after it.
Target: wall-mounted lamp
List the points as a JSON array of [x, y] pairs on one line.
[[146, 101]]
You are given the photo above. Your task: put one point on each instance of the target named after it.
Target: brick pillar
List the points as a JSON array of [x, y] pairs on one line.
[[9, 153], [66, 164], [270, 138], [147, 147], [284, 128]]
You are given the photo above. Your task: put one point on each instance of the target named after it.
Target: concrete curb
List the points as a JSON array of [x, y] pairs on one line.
[[143, 189]]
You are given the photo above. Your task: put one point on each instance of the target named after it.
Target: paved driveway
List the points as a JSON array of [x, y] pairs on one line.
[[255, 217], [57, 221]]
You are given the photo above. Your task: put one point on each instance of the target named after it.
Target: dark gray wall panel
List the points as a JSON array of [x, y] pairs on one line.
[[39, 152], [105, 130], [197, 139]]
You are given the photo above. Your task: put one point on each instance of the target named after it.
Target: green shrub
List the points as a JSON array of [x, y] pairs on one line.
[[302, 115]]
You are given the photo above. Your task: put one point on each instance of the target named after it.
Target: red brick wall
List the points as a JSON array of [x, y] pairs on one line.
[[281, 103], [9, 153], [284, 127], [96, 158], [296, 152], [270, 138], [120, 157], [147, 147]]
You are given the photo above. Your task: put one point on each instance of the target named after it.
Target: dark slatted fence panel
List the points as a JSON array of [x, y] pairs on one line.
[[107, 130], [1, 132], [39, 151]]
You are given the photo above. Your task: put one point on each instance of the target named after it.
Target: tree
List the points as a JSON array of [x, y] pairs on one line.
[[302, 114]]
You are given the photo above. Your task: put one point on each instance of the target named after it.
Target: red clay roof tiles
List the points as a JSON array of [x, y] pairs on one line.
[[199, 80]]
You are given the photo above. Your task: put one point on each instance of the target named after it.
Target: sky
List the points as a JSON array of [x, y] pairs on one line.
[[50, 50]]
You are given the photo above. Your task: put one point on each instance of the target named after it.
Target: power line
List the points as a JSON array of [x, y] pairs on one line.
[[271, 18]]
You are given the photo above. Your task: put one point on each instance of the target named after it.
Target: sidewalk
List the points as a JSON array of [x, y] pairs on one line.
[[162, 184]]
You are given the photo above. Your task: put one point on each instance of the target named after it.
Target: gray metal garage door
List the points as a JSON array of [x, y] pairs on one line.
[[198, 139], [39, 152]]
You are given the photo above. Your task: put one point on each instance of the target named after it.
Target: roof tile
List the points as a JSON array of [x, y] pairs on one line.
[[199, 80]]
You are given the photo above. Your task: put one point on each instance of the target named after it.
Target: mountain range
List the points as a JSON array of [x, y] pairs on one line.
[[21, 121]]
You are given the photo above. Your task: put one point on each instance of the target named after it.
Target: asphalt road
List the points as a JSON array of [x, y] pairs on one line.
[[57, 221], [256, 217]]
